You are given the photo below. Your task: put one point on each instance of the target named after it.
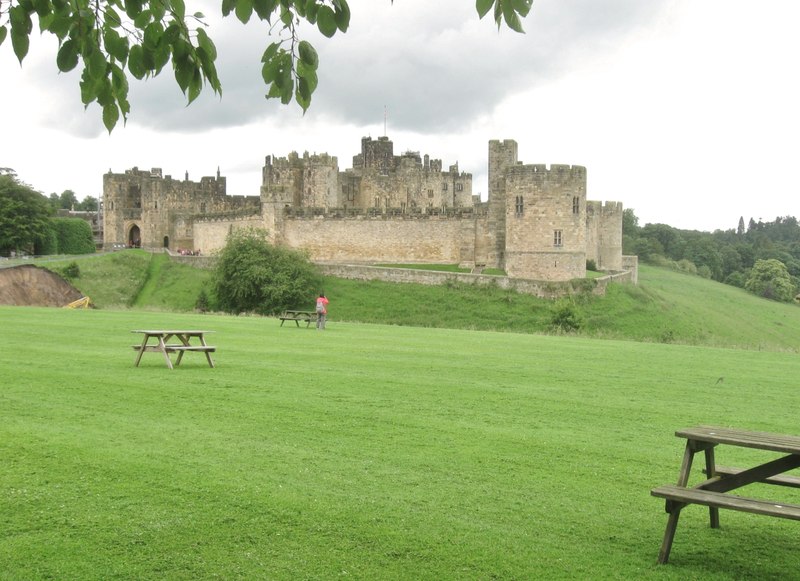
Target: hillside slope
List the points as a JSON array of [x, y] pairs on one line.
[[666, 307]]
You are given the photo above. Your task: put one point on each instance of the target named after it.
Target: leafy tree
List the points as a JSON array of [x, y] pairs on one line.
[[111, 38], [68, 200], [253, 275], [770, 279], [630, 222], [74, 236], [88, 204], [24, 216]]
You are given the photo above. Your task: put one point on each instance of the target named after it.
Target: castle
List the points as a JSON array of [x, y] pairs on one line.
[[387, 208]]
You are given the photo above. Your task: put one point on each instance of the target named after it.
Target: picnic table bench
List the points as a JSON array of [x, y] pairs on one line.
[[162, 345], [298, 316], [713, 492]]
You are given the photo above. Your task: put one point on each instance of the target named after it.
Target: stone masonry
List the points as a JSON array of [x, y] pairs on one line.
[[537, 223]]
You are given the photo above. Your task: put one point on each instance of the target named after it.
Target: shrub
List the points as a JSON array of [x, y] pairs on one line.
[[253, 275], [71, 271], [202, 303], [565, 318], [770, 279]]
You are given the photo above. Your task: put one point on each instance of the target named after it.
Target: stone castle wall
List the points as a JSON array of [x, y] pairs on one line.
[[536, 224]]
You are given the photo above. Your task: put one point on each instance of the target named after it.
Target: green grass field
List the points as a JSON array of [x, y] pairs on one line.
[[373, 451]]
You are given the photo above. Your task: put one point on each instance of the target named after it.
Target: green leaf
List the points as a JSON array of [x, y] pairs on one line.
[[269, 72], [511, 17], [178, 8], [244, 9], [483, 7], [311, 11], [228, 6], [67, 57], [265, 8], [184, 72], [303, 95], [308, 55], [152, 35], [112, 18], [110, 116], [133, 8], [143, 19], [342, 15], [3, 34], [136, 62], [96, 62], [195, 85], [205, 42], [270, 52], [158, 10], [522, 7], [20, 43], [326, 21], [89, 87]]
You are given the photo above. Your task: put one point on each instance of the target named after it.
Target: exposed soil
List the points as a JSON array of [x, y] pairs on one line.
[[30, 285]]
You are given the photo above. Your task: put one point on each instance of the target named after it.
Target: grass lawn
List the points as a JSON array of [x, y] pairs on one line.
[[369, 452]]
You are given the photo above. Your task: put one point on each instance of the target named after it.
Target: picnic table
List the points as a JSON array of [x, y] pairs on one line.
[[298, 316], [714, 491], [162, 345]]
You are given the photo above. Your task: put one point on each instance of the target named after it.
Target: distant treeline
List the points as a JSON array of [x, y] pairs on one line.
[[727, 256]]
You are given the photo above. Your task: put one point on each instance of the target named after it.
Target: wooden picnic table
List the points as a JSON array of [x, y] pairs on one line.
[[162, 345], [297, 316], [714, 491]]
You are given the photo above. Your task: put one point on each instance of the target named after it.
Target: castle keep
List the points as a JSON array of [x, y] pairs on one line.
[[536, 224]]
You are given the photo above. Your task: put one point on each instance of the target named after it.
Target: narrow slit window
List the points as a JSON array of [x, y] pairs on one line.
[[557, 240], [519, 206]]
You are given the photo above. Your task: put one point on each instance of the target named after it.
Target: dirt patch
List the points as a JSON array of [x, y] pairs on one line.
[[30, 285]]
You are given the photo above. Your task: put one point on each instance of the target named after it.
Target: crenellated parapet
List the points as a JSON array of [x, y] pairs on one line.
[[536, 224]]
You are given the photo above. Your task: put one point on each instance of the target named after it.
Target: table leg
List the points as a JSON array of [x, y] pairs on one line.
[[674, 508], [208, 355], [185, 340], [163, 346], [139, 356], [711, 471]]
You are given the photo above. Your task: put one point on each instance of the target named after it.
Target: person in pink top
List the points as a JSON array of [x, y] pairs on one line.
[[322, 311]]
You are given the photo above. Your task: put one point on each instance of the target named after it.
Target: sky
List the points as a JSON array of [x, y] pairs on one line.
[[686, 111]]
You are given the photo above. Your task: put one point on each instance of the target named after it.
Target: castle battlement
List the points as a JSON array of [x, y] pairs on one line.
[[536, 222], [604, 208]]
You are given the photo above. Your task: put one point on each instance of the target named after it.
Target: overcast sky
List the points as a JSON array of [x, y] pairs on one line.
[[685, 111]]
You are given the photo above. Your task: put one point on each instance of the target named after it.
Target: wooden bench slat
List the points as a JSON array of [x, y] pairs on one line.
[[729, 501], [207, 348]]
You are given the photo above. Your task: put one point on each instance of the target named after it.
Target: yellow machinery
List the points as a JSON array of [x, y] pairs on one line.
[[81, 303]]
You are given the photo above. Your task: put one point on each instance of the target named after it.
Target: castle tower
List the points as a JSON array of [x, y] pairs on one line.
[[604, 235], [502, 156], [545, 222]]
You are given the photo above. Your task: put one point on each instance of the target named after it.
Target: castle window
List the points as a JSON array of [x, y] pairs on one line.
[[430, 193], [557, 241], [444, 187], [155, 205], [459, 187], [202, 207], [519, 206], [576, 204]]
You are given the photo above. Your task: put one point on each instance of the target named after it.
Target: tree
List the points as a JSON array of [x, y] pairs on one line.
[[770, 279], [24, 216], [68, 199], [88, 204], [252, 275], [112, 38]]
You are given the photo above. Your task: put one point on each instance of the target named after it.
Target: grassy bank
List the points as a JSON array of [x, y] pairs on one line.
[[369, 452], [666, 307]]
